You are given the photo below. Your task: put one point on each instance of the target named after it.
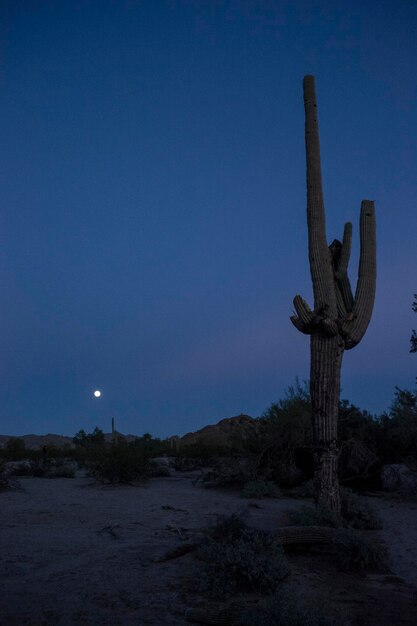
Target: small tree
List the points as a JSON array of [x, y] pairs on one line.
[[15, 449], [84, 440]]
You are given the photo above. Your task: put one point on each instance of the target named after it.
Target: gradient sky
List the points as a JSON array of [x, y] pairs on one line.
[[152, 203]]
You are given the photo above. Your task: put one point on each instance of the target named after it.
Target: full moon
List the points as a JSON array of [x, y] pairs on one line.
[[97, 393]]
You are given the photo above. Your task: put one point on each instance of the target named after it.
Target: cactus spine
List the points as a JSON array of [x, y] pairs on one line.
[[339, 319]]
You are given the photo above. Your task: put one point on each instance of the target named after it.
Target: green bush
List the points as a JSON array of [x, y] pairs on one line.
[[288, 607], [260, 489], [239, 559]]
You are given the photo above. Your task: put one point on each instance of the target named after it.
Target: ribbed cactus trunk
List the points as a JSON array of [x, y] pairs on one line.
[[325, 366], [339, 320]]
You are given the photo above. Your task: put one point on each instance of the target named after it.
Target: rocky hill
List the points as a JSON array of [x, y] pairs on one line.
[[227, 432]]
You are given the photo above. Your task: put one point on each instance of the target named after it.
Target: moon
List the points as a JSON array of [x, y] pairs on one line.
[[97, 393]]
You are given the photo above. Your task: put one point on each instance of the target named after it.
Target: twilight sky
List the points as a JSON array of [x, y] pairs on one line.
[[152, 203]]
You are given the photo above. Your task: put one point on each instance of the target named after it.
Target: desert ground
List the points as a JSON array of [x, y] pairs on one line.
[[74, 551]]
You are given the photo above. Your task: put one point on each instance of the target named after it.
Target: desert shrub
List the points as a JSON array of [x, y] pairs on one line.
[[358, 465], [286, 437], [230, 472], [288, 607], [260, 489], [355, 550], [204, 451], [239, 559], [60, 472], [397, 430], [227, 527], [314, 516], [19, 468], [15, 449], [189, 464], [119, 462], [357, 512], [155, 470], [5, 482], [305, 490]]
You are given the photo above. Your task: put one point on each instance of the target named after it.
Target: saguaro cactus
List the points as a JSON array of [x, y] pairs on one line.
[[339, 319]]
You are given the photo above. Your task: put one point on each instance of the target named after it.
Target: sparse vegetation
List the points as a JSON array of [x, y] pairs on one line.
[[261, 489], [319, 515], [356, 550], [230, 472], [356, 512], [119, 462], [288, 607], [239, 559]]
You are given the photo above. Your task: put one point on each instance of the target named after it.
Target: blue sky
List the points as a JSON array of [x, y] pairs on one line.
[[152, 203]]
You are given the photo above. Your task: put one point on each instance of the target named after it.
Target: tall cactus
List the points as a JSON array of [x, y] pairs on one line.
[[339, 319]]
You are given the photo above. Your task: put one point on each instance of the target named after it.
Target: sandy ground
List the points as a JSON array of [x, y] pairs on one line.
[[75, 552]]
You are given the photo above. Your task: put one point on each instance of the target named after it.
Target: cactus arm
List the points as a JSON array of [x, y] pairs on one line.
[[345, 251], [304, 320], [357, 322], [343, 289], [320, 261], [303, 310], [300, 325], [341, 306]]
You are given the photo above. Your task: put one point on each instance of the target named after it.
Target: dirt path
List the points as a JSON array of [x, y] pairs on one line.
[[74, 552]]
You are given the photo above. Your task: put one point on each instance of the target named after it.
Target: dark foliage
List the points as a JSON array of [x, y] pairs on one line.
[[356, 512], [396, 434], [289, 607], [118, 462], [239, 559], [358, 551]]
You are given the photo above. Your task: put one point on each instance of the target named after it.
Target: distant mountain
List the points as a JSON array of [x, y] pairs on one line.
[[226, 432], [37, 441], [34, 442]]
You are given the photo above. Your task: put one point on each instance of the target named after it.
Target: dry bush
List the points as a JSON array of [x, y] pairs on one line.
[[356, 512], [230, 472], [239, 559], [261, 489], [288, 607]]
